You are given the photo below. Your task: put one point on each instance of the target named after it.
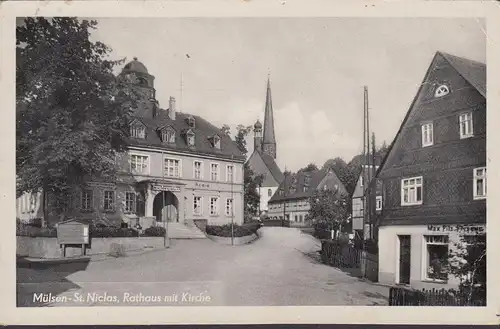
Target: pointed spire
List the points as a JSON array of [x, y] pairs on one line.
[[269, 140]]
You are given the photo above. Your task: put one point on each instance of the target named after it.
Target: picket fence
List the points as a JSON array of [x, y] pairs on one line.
[[430, 297]]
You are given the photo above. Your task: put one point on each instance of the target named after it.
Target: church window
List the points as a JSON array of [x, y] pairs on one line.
[[441, 91]]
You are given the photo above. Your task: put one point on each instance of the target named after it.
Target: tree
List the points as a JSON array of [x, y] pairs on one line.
[[309, 168], [240, 139], [329, 209], [226, 130], [251, 195], [467, 261], [72, 111]]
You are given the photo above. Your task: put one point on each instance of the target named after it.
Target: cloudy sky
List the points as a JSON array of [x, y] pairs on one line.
[[318, 67]]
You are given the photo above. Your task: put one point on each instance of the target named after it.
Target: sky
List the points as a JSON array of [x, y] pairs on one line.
[[317, 68]]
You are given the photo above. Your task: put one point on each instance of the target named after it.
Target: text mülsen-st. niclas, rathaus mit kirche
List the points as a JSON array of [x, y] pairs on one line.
[[178, 168]]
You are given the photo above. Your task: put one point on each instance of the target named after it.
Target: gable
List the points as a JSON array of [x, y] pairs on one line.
[[333, 183], [258, 166], [406, 149]]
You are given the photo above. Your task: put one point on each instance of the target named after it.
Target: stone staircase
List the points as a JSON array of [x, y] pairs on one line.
[[181, 231]]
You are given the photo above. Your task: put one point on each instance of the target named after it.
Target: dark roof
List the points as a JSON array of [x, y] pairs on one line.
[[298, 181], [472, 71], [203, 131], [272, 166], [135, 66]]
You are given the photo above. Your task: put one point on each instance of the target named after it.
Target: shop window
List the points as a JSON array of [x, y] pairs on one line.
[[436, 257]]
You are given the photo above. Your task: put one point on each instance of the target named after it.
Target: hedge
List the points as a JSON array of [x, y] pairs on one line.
[[113, 232], [154, 231], [238, 230]]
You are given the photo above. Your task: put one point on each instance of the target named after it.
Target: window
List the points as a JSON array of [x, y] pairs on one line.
[[466, 129], [172, 168], [139, 164], [292, 190], [190, 139], [325, 187], [198, 170], [411, 191], [269, 192], [442, 91], [138, 131], [168, 135], [301, 219], [304, 189], [197, 205], [214, 211], [480, 183], [109, 200], [296, 218], [130, 200], [87, 197], [214, 171], [229, 207], [436, 257], [361, 181], [427, 134], [216, 142], [230, 173], [378, 203]]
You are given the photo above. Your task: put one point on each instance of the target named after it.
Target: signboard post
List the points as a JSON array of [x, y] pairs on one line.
[[73, 232]]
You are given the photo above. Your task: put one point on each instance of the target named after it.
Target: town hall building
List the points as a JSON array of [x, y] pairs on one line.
[[178, 168]]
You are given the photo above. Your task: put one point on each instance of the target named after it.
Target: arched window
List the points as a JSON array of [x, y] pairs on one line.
[[269, 192], [441, 91]]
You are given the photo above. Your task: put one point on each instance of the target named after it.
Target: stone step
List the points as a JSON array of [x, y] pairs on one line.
[[181, 231]]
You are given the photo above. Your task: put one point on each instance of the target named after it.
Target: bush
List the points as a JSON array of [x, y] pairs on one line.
[[26, 229], [155, 231], [238, 230], [112, 232]]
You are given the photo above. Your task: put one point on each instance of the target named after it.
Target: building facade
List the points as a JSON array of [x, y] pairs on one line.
[[177, 168], [434, 176], [263, 159], [360, 227], [291, 200]]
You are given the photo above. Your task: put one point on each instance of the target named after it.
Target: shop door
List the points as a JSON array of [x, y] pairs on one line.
[[404, 258]]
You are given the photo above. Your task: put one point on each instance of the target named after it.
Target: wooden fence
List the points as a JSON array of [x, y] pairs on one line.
[[358, 262], [430, 297]]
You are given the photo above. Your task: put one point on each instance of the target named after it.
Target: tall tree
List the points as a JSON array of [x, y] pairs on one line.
[[329, 209], [226, 130], [72, 111]]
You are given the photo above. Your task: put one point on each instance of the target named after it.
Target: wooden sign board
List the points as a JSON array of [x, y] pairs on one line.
[[72, 233]]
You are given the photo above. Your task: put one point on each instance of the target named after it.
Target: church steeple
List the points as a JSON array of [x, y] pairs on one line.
[[268, 140]]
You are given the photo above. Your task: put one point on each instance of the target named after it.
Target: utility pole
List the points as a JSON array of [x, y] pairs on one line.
[[232, 200], [284, 199]]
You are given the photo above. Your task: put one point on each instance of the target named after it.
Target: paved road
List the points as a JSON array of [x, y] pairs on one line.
[[274, 270]]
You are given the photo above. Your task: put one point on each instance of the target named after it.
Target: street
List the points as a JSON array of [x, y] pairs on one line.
[[274, 270]]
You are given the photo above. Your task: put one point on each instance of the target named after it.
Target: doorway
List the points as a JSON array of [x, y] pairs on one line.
[[404, 259], [166, 207]]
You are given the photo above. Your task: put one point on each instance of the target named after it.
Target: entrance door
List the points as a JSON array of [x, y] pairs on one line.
[[404, 258], [166, 207]]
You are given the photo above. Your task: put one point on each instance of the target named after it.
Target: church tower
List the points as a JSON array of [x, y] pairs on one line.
[[268, 139], [136, 74]]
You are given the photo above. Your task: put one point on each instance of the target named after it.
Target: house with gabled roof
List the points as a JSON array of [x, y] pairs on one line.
[[178, 168], [291, 200], [434, 176], [263, 159]]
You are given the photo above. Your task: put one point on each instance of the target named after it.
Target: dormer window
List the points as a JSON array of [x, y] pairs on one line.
[[138, 131], [190, 138], [167, 135], [441, 91], [191, 122], [215, 141], [292, 190]]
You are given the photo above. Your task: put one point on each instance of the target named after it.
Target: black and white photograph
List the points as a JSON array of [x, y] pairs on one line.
[[250, 161]]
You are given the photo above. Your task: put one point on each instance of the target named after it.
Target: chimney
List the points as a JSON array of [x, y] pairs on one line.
[[171, 108]]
